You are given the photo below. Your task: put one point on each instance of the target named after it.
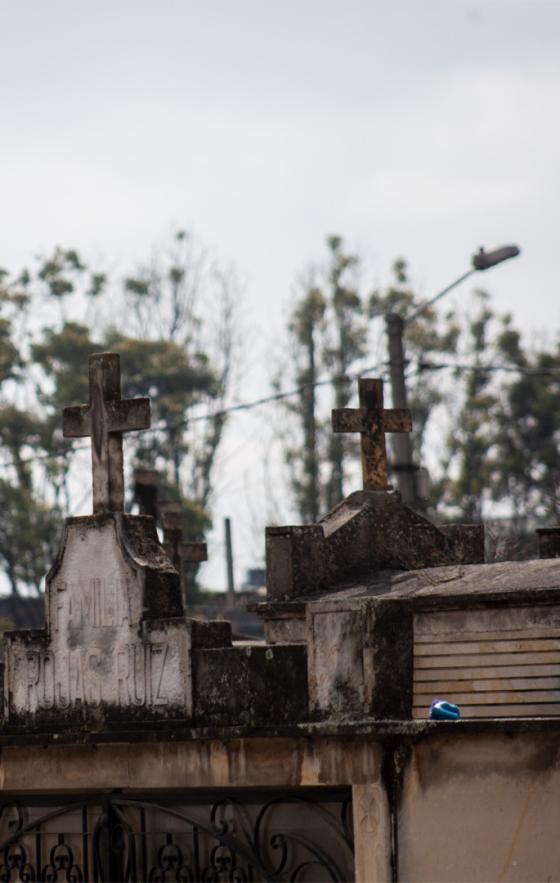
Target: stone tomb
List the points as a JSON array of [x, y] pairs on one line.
[[116, 642], [370, 614], [100, 648]]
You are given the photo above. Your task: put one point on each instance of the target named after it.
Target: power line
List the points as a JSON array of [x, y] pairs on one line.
[[510, 369], [53, 455], [274, 397], [222, 412], [298, 390]]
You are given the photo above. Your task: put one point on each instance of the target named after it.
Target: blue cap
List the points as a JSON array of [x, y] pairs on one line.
[[440, 710]]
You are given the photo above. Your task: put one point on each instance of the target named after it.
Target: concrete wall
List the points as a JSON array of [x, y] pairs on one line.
[[282, 762], [481, 808], [265, 762], [427, 805]]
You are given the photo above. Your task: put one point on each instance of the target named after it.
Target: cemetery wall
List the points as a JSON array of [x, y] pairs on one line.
[[429, 802]]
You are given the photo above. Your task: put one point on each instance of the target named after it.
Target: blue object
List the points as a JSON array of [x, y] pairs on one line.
[[440, 710]]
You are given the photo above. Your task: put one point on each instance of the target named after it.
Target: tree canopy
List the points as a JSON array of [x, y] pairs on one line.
[[54, 316], [485, 405]]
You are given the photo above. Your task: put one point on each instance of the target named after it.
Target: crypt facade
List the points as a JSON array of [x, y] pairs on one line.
[[138, 743]]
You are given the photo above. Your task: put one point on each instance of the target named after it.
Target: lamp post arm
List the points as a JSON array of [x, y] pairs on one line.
[[418, 312], [403, 462], [481, 261]]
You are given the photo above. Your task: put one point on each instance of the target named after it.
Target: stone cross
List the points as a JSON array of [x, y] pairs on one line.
[[105, 419], [372, 421], [176, 549]]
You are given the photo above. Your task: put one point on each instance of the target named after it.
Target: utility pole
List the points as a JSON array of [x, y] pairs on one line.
[[404, 466], [229, 563], [403, 463]]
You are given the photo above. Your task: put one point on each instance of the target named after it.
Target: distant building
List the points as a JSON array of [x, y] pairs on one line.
[[255, 580]]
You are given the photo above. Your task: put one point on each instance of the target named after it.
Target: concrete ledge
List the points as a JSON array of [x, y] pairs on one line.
[[150, 732], [257, 762]]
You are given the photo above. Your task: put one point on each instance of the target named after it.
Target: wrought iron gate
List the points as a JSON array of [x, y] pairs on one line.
[[240, 836]]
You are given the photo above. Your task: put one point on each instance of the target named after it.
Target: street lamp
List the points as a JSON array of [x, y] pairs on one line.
[[403, 464]]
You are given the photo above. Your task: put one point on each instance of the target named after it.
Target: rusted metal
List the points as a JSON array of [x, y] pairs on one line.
[[116, 837], [105, 420], [372, 421]]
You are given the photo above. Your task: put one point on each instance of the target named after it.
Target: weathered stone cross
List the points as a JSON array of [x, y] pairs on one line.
[[105, 419], [173, 544], [372, 422], [146, 491]]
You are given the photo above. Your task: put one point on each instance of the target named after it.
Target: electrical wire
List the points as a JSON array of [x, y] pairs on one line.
[[275, 397], [298, 390], [222, 412], [510, 369]]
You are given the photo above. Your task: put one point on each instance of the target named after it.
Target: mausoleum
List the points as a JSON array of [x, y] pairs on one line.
[[137, 743]]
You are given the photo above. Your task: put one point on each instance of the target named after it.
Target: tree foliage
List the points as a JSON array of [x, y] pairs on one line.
[[173, 321], [426, 336], [345, 348], [525, 466], [327, 333], [306, 328], [331, 332], [485, 406]]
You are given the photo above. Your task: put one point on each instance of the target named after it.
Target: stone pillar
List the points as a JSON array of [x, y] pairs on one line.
[[372, 833]]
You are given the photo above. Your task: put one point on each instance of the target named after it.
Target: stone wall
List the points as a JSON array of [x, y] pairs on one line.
[[431, 802], [481, 808]]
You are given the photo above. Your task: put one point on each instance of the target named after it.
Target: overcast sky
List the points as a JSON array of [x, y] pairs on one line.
[[415, 128]]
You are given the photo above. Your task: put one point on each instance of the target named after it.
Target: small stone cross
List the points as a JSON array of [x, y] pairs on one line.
[[176, 549], [105, 419], [372, 421]]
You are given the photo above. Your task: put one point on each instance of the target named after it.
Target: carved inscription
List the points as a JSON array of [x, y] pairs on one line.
[[96, 655], [98, 602], [133, 675]]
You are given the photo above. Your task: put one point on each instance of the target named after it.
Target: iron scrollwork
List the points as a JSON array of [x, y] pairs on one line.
[[61, 864], [241, 837]]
